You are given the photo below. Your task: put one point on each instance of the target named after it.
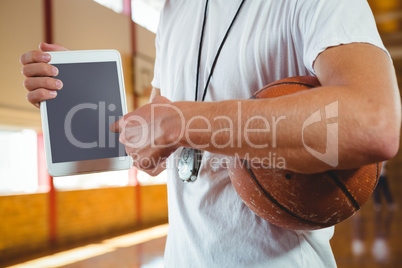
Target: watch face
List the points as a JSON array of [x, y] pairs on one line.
[[189, 164]]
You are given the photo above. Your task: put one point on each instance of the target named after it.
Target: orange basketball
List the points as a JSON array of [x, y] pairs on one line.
[[302, 201]]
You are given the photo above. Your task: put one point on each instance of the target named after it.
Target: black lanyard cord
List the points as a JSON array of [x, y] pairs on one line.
[[217, 53]]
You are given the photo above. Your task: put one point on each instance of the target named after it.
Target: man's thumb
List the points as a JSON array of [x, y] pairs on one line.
[[51, 47]]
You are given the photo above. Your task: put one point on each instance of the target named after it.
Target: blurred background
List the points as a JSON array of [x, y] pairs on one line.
[[119, 219]]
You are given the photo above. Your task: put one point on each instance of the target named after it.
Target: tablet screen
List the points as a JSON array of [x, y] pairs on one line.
[[80, 116]]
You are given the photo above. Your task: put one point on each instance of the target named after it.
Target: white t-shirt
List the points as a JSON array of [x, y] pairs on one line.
[[271, 39]]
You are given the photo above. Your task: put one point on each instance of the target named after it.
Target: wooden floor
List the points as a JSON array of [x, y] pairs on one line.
[[370, 238], [145, 249], [141, 249], [366, 226], [145, 255]]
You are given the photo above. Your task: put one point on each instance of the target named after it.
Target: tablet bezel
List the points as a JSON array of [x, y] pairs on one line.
[[86, 166]]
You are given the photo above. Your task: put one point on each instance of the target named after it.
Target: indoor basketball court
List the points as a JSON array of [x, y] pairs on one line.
[[120, 218]]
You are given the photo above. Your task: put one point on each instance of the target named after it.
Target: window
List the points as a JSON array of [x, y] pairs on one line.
[[18, 161], [19, 168], [115, 5], [146, 13], [91, 181]]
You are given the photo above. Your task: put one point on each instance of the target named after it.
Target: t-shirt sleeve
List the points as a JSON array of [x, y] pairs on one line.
[[325, 23], [156, 79]]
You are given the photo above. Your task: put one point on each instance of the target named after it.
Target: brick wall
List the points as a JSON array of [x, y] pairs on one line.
[[80, 215], [23, 224], [154, 198], [84, 214]]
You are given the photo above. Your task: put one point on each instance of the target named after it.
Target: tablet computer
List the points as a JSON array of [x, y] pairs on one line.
[[76, 123]]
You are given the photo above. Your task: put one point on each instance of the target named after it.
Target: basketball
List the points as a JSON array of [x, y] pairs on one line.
[[301, 201]]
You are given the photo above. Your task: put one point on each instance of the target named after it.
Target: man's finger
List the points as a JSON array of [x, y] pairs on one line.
[[115, 127], [39, 69], [34, 56], [41, 56], [130, 118], [51, 47], [32, 83], [41, 94]]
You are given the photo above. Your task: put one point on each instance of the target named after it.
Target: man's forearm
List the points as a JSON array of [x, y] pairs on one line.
[[352, 120], [259, 128]]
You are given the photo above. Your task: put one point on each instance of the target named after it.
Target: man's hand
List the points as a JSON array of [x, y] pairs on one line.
[[39, 74], [149, 134]]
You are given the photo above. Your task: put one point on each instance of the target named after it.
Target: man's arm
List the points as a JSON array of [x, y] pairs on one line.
[[358, 78]]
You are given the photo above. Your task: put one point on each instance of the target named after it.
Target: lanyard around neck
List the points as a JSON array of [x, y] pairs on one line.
[[217, 53]]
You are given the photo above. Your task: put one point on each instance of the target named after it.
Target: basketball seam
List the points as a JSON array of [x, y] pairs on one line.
[[273, 200], [378, 174], [278, 84], [342, 186]]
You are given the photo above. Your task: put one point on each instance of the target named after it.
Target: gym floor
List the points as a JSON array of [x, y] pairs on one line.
[[138, 249], [369, 239]]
